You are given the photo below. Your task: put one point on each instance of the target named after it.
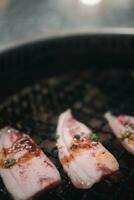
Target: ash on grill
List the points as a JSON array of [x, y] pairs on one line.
[[89, 94]]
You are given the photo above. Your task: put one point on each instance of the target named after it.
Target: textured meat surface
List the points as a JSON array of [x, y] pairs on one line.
[[84, 159], [123, 128], [24, 168]]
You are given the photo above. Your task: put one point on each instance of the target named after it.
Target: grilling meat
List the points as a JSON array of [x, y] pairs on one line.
[[123, 128], [82, 156], [24, 168]]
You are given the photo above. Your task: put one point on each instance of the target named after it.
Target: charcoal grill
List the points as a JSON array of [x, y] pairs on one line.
[[89, 74]]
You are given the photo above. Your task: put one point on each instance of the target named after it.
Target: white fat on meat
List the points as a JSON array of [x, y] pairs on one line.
[[31, 172], [123, 128], [85, 160]]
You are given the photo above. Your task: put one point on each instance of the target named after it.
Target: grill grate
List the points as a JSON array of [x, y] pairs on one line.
[[89, 94]]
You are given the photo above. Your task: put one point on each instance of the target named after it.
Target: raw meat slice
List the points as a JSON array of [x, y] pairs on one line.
[[123, 127], [82, 156], [24, 168]]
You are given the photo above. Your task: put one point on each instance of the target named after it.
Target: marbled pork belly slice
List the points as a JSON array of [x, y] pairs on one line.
[[24, 168], [83, 157], [123, 128]]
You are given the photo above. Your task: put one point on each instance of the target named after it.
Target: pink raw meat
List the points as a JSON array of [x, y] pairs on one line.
[[84, 159], [123, 128], [24, 168]]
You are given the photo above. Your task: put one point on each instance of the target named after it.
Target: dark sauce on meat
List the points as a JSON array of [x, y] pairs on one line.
[[23, 143]]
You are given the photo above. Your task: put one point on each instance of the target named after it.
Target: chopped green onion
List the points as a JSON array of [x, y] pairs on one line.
[[9, 162], [73, 147], [125, 136], [94, 137], [131, 126], [77, 137]]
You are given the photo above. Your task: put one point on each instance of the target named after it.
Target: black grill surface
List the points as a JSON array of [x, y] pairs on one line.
[[89, 94]]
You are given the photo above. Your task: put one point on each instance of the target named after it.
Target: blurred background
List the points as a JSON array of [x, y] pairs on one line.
[[26, 20]]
